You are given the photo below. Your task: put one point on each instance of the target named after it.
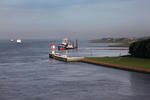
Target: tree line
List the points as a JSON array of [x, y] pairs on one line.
[[140, 48]]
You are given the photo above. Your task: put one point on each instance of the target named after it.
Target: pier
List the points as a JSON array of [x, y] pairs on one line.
[[104, 48], [61, 57], [65, 58]]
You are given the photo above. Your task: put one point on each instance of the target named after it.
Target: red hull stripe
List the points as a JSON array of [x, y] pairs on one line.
[[62, 48]]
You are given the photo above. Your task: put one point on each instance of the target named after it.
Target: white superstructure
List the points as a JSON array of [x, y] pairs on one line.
[[64, 41], [18, 41], [69, 46]]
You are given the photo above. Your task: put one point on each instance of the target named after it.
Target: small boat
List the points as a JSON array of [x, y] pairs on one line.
[[19, 41], [63, 44], [69, 46], [11, 40]]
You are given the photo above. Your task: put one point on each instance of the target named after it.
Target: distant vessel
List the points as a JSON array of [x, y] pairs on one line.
[[19, 41], [11, 40]]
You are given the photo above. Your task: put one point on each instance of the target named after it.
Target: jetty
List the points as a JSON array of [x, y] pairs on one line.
[[104, 48], [65, 58], [60, 57]]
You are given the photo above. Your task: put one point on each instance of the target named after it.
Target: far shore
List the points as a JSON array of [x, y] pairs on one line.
[[119, 44]]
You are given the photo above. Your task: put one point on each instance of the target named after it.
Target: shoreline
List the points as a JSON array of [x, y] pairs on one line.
[[117, 66]]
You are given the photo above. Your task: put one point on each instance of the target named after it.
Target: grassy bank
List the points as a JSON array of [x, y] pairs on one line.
[[124, 61]]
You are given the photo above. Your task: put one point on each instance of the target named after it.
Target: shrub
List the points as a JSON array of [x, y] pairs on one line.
[[140, 48]]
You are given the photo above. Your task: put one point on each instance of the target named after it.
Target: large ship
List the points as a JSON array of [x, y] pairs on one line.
[[67, 44], [64, 41]]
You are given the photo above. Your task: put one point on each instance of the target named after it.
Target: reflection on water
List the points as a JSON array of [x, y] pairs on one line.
[[26, 73]]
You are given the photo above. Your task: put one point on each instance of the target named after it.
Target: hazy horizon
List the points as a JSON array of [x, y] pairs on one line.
[[29, 19]]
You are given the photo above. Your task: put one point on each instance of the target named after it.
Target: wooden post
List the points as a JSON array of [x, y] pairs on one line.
[[73, 44], [66, 53], [76, 43]]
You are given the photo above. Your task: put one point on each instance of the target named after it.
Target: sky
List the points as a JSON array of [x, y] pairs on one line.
[[74, 18]]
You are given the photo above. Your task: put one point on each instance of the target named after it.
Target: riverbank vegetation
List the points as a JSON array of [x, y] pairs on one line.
[[139, 60], [113, 40], [140, 48], [126, 61]]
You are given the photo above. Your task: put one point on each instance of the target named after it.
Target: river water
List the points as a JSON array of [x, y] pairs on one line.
[[27, 73]]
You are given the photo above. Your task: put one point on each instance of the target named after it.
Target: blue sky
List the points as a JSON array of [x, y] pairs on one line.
[[74, 18]]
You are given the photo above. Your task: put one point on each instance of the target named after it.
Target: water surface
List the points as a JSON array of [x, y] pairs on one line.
[[27, 73]]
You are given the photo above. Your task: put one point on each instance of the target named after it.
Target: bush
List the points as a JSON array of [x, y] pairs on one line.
[[140, 48]]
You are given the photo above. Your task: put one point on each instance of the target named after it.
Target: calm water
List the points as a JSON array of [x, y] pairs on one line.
[[26, 73]]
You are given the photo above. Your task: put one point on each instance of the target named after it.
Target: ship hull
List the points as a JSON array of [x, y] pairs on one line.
[[61, 47]]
